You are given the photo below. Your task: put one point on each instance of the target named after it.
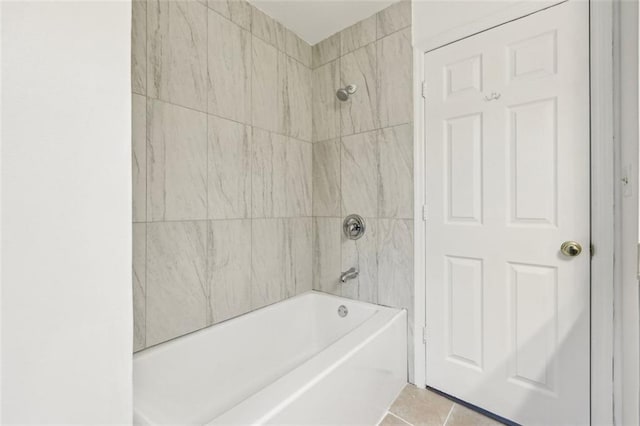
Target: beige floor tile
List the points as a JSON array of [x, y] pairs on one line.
[[421, 407], [391, 420], [462, 416]]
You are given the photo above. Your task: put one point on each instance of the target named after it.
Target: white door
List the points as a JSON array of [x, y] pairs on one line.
[[507, 182]]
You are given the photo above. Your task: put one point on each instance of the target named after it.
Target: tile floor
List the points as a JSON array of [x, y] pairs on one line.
[[422, 407]]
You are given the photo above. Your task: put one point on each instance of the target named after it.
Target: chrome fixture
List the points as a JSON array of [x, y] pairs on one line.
[[571, 248], [350, 274], [353, 226], [344, 93], [343, 311], [492, 97]]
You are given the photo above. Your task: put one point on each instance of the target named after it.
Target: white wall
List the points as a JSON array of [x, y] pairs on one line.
[[626, 52], [66, 212]]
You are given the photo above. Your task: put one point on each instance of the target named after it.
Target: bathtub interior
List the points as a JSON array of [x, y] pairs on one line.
[[235, 359]]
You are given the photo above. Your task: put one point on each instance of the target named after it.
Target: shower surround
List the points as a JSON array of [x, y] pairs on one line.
[[245, 163]]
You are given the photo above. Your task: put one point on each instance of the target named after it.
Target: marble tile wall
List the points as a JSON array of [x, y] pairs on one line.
[[245, 163], [222, 164], [363, 159]]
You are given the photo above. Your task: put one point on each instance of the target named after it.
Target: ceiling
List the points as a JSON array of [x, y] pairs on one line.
[[315, 20]]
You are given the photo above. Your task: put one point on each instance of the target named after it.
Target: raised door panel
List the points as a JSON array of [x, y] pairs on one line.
[[533, 163], [463, 76], [533, 57], [463, 169], [533, 326], [465, 306]]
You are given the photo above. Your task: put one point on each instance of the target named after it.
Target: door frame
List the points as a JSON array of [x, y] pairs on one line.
[[611, 390]]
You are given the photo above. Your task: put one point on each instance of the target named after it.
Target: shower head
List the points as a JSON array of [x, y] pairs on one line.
[[344, 93]]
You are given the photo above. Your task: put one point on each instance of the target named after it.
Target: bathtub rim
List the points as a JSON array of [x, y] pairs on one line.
[[163, 346]]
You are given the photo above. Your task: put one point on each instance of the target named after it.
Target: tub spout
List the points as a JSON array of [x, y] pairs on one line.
[[348, 275]]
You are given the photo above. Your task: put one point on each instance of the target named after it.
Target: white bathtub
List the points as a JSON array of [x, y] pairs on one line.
[[294, 362]]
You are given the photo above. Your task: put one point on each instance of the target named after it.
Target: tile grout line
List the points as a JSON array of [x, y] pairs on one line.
[[209, 230], [206, 185], [367, 131], [251, 146], [339, 112], [398, 417], [449, 415], [238, 122], [360, 47], [376, 244], [146, 160], [234, 218]]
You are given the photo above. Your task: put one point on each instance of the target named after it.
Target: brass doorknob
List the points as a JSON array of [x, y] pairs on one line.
[[571, 248]]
